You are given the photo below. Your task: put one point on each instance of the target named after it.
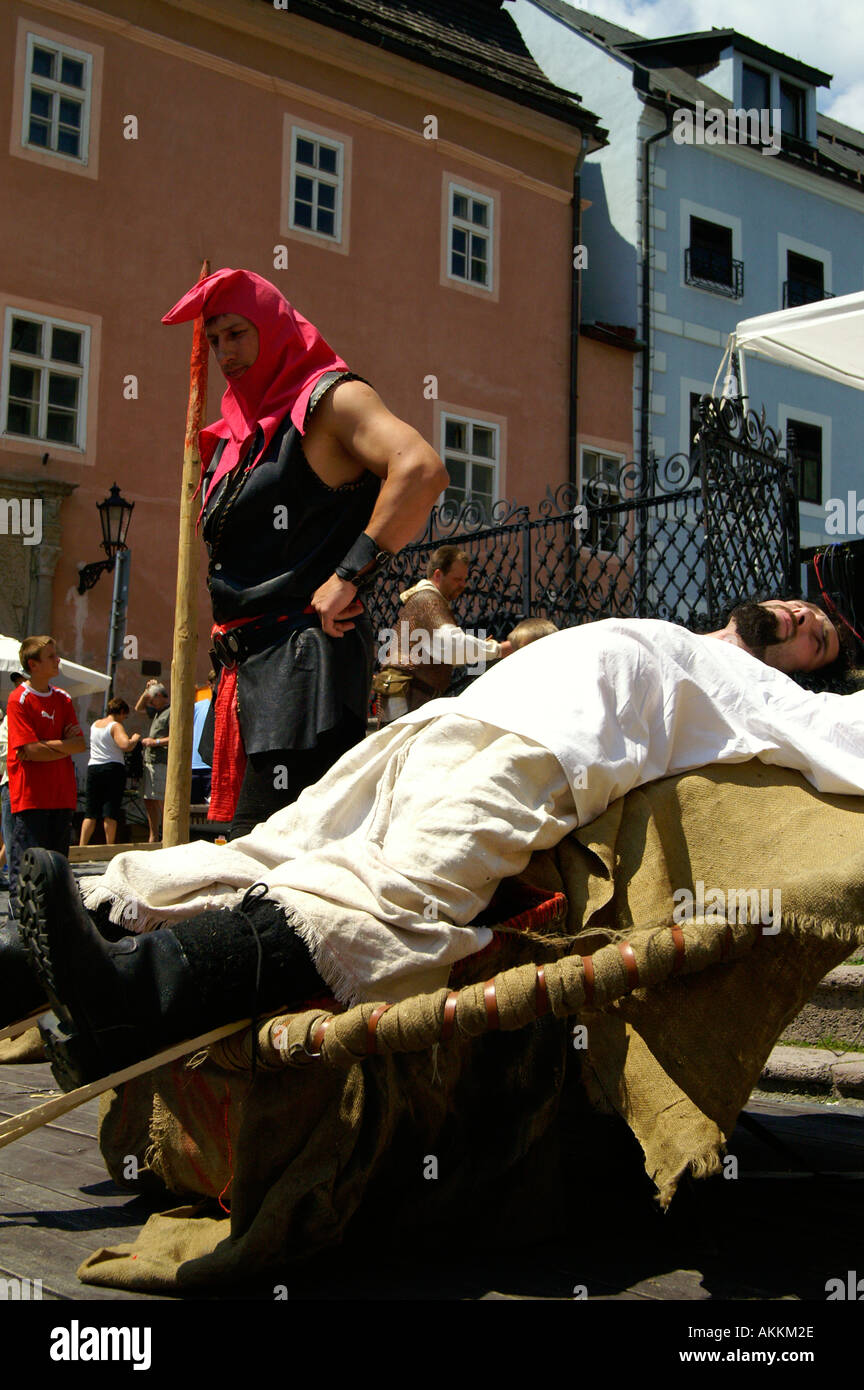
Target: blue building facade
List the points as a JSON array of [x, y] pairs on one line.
[[688, 234]]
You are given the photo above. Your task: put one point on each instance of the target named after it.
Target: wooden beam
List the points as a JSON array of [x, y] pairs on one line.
[[97, 854], [19, 1125], [14, 1030], [175, 820]]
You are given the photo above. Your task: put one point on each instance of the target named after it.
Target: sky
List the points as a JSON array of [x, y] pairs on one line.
[[829, 36]]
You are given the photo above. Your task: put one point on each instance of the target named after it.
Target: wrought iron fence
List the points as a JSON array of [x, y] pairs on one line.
[[684, 540], [750, 505], [713, 270], [797, 292]]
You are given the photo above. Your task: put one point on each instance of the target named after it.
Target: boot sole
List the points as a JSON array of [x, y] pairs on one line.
[[71, 1063], [35, 894], [75, 1056]]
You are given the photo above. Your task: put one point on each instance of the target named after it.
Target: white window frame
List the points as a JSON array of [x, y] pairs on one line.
[[799, 87], [448, 415], [748, 62], [775, 77], [809, 510], [471, 229], [318, 176], [773, 91], [802, 248], [620, 460], [84, 94], [721, 219], [47, 322]]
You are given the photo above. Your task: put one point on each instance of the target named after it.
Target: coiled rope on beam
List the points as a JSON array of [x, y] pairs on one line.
[[513, 999]]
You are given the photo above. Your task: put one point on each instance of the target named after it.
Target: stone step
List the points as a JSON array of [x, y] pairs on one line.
[[814, 1071], [836, 1010]]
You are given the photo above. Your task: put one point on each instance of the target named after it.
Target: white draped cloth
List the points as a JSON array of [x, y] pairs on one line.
[[384, 863]]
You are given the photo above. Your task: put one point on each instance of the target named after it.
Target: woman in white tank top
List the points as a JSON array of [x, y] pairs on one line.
[[106, 771]]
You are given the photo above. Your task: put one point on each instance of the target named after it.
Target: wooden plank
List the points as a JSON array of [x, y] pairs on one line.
[[80, 1150], [32, 1076], [60, 1173], [30, 1233], [60, 1231], [100, 854], [19, 1125], [825, 1128], [47, 1294], [21, 1025], [819, 1136], [79, 1144], [73, 1212], [86, 1126], [46, 1232], [61, 1282], [788, 1110], [84, 1120]]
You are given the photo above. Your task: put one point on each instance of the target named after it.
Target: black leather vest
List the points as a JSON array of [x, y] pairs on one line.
[[276, 532]]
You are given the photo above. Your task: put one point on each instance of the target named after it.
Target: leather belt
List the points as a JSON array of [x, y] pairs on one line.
[[234, 645]]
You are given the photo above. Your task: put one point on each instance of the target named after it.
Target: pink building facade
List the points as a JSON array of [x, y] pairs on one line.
[[421, 219]]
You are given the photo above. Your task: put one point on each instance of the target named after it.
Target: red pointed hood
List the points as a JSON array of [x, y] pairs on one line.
[[292, 355]]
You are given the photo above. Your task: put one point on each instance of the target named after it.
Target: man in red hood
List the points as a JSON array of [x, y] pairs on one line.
[[309, 485]]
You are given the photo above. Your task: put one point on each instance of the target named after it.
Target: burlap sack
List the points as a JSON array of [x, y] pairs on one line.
[[304, 1154]]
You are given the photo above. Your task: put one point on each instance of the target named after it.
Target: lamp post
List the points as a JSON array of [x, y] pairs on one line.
[[117, 628], [114, 515]]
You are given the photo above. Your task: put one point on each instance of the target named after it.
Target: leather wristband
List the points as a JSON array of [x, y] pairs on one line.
[[363, 562]]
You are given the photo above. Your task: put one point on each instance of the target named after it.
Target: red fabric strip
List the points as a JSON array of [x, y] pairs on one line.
[[229, 755]]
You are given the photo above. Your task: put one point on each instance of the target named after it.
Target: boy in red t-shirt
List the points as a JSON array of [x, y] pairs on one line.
[[43, 733]]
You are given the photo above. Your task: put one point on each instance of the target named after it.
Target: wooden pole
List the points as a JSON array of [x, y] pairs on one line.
[[14, 1030], [16, 1126], [175, 820]]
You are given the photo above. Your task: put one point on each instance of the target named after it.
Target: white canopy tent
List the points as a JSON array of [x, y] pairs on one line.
[[825, 338], [78, 680]]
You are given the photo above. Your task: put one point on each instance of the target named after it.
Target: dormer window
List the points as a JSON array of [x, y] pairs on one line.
[[787, 99], [792, 110], [755, 89], [752, 76]]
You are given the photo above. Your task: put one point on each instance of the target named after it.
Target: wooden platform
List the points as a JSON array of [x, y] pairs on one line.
[[57, 1203], [99, 854], [773, 1233]]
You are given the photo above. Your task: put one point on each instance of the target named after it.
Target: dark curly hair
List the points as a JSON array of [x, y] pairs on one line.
[[835, 678]]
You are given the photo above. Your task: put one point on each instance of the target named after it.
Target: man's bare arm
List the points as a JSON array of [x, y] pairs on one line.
[[356, 431], [414, 476], [50, 749], [144, 697]]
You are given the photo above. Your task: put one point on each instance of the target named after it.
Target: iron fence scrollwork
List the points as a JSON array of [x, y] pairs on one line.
[[684, 539]]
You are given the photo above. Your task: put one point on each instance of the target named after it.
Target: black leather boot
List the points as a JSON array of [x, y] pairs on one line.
[[119, 1002], [20, 991]]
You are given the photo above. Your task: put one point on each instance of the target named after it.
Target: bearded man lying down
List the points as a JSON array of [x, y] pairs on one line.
[[368, 884]]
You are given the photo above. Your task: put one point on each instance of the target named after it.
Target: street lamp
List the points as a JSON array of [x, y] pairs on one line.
[[114, 516]]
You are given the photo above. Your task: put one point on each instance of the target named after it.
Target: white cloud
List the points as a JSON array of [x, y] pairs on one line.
[[829, 38], [849, 106]]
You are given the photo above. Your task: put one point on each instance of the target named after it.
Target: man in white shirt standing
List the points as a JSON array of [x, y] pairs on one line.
[[419, 656]]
